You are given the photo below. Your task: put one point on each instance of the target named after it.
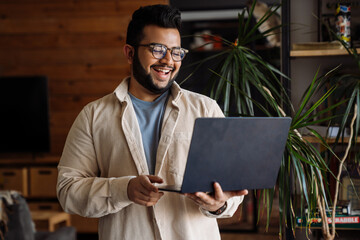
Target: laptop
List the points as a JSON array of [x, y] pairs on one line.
[[239, 153]]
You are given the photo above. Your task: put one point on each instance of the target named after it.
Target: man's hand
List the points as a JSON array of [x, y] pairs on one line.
[[213, 202], [142, 191]]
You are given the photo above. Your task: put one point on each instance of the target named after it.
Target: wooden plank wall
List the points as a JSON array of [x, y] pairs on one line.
[[77, 44]]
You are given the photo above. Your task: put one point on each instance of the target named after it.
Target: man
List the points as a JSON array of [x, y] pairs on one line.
[[122, 144]]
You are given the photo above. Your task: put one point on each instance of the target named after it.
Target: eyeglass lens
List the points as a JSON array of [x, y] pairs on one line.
[[159, 52]]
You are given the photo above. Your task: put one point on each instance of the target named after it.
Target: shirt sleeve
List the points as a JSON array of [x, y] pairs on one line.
[[80, 190], [215, 110], [232, 205]]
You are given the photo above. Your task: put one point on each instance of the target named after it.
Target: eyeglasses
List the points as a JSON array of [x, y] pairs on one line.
[[159, 51]]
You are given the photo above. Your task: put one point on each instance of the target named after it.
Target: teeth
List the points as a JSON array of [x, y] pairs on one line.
[[162, 70]]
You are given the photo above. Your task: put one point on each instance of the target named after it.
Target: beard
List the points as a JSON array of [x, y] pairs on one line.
[[146, 80]]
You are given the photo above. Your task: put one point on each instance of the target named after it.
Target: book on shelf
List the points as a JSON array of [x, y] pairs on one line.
[[341, 221], [343, 207]]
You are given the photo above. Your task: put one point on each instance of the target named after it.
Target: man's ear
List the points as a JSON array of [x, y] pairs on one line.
[[129, 52]]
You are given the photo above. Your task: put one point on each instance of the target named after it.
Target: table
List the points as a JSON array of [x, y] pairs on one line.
[[47, 220]]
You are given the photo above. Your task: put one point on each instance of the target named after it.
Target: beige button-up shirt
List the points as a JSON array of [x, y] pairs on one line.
[[104, 150]]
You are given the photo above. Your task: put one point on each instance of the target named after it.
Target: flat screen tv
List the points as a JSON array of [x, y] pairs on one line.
[[24, 118]]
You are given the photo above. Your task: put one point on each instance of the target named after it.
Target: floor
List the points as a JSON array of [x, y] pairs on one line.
[[260, 234], [228, 224], [248, 236], [224, 236]]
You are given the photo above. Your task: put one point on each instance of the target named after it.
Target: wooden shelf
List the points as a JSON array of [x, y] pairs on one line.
[[312, 139], [319, 53], [28, 160]]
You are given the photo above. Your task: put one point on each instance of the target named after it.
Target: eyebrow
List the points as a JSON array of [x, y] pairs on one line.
[[165, 45]]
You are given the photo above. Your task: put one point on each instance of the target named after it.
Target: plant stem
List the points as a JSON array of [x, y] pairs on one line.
[[321, 205], [339, 173]]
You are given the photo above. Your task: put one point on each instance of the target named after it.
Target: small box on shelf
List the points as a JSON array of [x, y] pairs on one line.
[[45, 206], [14, 179], [43, 181]]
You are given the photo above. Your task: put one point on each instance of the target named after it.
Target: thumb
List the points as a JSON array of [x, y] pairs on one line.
[[240, 192], [243, 192]]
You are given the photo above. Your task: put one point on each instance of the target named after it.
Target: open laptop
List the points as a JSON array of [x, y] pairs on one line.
[[239, 153]]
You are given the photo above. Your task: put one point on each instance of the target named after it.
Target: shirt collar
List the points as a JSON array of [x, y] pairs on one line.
[[121, 92]]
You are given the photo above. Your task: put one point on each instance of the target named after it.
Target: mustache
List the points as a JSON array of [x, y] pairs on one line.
[[159, 65]]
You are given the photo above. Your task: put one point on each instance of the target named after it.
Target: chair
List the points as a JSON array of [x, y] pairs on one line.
[[16, 222]]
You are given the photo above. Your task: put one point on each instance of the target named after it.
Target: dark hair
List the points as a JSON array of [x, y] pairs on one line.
[[159, 15]]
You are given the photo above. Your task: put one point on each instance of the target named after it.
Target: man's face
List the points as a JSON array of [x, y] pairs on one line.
[[156, 75]]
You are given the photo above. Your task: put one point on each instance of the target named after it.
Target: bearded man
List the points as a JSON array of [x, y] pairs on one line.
[[122, 144]]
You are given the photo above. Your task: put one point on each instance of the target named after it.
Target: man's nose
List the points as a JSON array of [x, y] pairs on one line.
[[168, 58]]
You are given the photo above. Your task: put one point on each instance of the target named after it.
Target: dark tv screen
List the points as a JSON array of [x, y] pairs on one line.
[[24, 121]]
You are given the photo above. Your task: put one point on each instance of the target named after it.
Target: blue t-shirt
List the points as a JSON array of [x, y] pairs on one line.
[[149, 116]]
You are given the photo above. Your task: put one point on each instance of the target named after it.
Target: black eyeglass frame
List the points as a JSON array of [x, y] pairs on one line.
[[153, 45]]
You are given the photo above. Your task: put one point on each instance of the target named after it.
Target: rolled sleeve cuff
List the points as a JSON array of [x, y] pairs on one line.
[[232, 205], [118, 191]]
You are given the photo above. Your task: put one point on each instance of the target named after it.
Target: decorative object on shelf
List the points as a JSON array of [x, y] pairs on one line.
[[349, 191], [327, 14], [270, 24], [205, 41], [342, 22]]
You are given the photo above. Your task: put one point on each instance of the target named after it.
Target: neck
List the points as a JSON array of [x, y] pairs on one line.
[[138, 91]]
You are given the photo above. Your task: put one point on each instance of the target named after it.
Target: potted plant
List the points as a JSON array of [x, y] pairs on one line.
[[241, 73], [347, 92]]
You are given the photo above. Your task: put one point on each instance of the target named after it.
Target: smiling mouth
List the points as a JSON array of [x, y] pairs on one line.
[[162, 69]]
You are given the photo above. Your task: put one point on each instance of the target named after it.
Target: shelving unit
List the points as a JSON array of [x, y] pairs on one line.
[[304, 64], [35, 178]]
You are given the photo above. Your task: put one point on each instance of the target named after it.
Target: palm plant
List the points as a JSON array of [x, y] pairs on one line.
[[348, 92], [348, 88], [240, 74], [242, 69]]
